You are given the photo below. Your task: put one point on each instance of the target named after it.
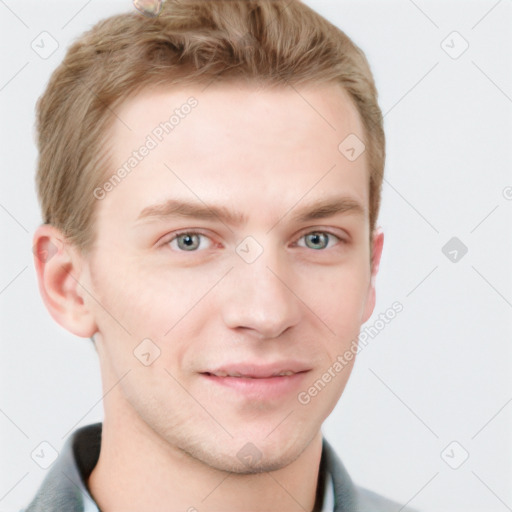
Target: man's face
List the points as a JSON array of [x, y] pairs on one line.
[[267, 289]]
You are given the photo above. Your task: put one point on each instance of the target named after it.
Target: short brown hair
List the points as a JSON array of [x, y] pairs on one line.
[[191, 41]]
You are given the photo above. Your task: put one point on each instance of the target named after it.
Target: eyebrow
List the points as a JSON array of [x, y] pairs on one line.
[[319, 209]]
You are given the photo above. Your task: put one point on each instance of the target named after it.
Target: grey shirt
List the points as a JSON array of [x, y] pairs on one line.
[[64, 488]]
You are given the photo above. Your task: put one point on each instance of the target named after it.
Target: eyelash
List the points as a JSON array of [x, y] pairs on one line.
[[189, 232]]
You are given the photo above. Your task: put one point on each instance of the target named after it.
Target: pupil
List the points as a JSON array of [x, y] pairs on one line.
[[188, 241], [317, 239]]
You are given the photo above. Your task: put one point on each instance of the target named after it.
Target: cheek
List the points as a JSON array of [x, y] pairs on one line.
[[163, 305], [338, 294], [340, 304], [139, 295]]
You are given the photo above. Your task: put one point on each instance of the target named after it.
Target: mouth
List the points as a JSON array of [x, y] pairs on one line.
[[258, 383], [284, 373], [246, 370]]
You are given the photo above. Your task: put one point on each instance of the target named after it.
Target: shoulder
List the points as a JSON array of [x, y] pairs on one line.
[[369, 501], [349, 497], [64, 487]]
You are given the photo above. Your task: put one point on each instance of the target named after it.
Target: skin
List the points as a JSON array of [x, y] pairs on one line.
[[170, 436]]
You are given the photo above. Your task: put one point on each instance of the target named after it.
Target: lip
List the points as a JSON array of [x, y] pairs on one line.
[[259, 371], [259, 382]]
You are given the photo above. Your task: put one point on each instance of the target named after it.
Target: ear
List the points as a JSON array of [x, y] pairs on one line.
[[58, 266], [377, 244]]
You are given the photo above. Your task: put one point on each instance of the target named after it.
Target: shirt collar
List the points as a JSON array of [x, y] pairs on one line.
[[328, 501]]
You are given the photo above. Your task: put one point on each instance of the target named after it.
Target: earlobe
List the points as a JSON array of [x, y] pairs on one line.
[[378, 243], [58, 271]]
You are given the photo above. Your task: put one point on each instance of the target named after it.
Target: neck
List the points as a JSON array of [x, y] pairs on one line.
[[138, 470]]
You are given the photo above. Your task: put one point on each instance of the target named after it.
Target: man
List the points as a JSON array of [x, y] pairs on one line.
[[210, 182]]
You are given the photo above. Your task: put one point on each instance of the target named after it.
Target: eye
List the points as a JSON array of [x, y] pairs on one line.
[[189, 241], [319, 240]]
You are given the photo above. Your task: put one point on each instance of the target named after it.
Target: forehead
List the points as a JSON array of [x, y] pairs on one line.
[[238, 144]]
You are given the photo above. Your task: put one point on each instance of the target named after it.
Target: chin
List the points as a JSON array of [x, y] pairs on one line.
[[260, 456], [260, 462]]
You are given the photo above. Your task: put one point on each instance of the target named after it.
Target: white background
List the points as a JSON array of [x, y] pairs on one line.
[[439, 372]]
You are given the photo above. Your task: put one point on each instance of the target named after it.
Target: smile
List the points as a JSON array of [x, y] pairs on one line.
[[277, 386]]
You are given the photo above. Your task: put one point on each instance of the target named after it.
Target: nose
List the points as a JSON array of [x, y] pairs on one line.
[[259, 297]]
